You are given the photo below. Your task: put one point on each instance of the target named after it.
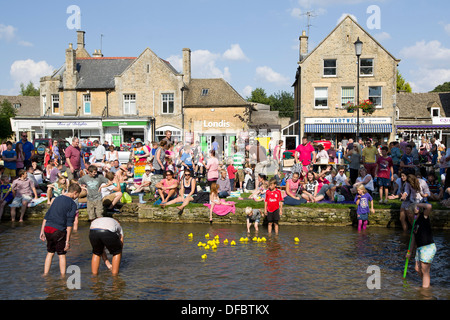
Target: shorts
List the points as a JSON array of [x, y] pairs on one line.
[[273, 216], [406, 204], [240, 175], [250, 220], [383, 182], [101, 238], [94, 209], [17, 201], [9, 172], [426, 253], [56, 242]]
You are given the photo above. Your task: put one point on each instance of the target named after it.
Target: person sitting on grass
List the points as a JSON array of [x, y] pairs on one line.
[[111, 192], [23, 190], [436, 189], [56, 189], [224, 184], [262, 185], [309, 191], [214, 200], [188, 191], [167, 188]]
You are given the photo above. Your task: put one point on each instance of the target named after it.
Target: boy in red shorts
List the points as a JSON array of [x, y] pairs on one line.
[[273, 205]]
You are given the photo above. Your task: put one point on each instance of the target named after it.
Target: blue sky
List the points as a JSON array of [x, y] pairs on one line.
[[250, 43]]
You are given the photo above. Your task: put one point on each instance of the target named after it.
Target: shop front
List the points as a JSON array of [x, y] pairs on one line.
[[338, 129], [439, 129], [120, 131]]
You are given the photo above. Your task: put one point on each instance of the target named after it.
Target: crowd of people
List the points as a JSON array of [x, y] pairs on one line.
[[180, 173]]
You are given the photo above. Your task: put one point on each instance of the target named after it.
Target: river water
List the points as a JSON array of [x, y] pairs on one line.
[[160, 262]]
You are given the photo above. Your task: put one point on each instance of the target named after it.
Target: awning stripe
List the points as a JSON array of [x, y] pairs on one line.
[[348, 128]]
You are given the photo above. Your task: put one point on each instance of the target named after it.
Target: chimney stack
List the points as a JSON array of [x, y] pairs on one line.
[[187, 65], [80, 39], [303, 45], [97, 53]]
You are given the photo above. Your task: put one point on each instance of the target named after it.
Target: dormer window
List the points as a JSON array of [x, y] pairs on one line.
[[205, 92], [435, 112]]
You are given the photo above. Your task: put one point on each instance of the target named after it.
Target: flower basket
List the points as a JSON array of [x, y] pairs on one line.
[[366, 107]]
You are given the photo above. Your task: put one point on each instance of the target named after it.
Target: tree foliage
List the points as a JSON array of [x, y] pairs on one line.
[[402, 85], [281, 101], [445, 87], [7, 112], [29, 90]]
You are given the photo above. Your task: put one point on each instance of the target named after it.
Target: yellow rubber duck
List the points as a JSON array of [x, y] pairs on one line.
[[204, 256], [207, 247], [200, 244], [255, 239], [296, 239], [207, 236], [232, 243], [225, 241], [241, 239], [190, 235], [263, 239], [216, 237]]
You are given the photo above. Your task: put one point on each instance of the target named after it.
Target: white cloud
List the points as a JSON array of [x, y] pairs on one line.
[[426, 79], [247, 91], [382, 36], [7, 33], [342, 17], [234, 53], [203, 65], [427, 54], [25, 43], [447, 28], [24, 71], [296, 12], [267, 74]]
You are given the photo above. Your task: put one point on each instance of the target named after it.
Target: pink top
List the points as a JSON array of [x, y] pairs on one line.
[[305, 153], [166, 183], [213, 168], [293, 186], [276, 156]]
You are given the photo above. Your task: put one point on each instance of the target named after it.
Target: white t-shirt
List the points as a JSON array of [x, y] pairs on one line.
[[107, 223], [341, 179], [368, 185]]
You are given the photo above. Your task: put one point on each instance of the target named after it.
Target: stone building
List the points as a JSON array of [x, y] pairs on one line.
[[116, 98], [423, 115], [326, 80]]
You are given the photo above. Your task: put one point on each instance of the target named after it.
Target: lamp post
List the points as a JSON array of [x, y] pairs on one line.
[[358, 50]]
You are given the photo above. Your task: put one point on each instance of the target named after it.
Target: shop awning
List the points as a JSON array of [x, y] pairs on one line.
[[424, 126], [348, 128]]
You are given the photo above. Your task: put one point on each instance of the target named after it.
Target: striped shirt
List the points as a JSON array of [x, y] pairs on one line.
[[238, 160]]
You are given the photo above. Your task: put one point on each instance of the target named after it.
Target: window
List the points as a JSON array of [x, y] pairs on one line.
[[205, 92], [55, 103], [17, 105], [366, 67], [161, 133], [321, 98], [129, 104], [329, 67], [44, 104], [375, 95], [167, 103], [87, 103], [347, 95], [435, 112]]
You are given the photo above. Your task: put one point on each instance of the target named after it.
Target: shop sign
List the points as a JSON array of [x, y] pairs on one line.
[[70, 124], [214, 124], [438, 120], [352, 120], [124, 123]]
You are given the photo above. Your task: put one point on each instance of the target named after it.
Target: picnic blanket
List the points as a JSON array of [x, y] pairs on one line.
[[221, 209]]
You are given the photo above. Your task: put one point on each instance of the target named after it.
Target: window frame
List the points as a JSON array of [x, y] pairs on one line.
[[129, 102], [438, 111], [373, 67], [88, 95], [165, 103], [353, 99], [381, 96], [329, 68], [316, 97], [56, 101]]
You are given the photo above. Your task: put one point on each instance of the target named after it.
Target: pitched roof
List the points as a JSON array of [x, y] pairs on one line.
[[219, 94], [99, 73], [356, 23], [417, 105], [29, 106]]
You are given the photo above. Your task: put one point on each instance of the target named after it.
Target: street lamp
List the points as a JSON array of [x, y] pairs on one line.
[[358, 51]]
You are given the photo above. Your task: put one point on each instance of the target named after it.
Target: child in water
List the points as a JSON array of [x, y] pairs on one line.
[[362, 200], [422, 239]]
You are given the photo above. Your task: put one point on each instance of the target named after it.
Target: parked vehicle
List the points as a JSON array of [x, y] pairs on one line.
[[42, 143]]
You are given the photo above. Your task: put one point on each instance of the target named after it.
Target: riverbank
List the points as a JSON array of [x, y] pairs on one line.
[[307, 214]]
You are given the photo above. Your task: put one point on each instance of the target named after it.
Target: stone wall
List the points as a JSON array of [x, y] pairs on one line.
[[291, 216]]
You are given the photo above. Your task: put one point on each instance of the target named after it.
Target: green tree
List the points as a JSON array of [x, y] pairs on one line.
[[29, 90], [402, 85], [259, 96], [445, 87], [283, 102], [7, 112]]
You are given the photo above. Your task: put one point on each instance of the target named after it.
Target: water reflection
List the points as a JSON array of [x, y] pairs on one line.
[[161, 262]]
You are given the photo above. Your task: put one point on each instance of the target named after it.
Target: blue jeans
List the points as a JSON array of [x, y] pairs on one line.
[[223, 194]]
